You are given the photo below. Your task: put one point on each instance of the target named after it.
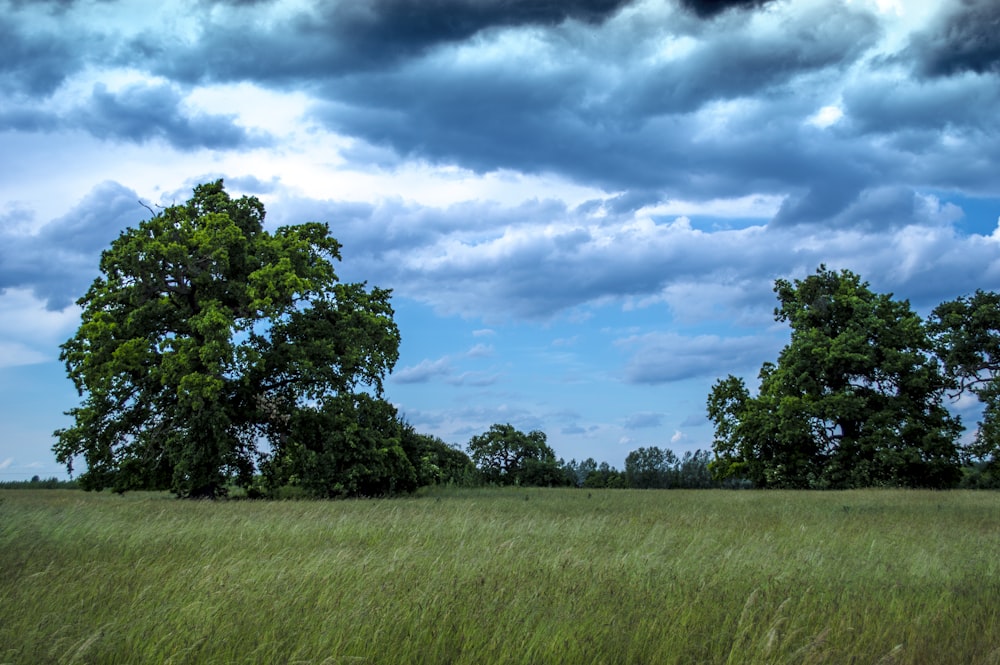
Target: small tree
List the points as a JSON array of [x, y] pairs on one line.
[[209, 346], [854, 400], [650, 468], [507, 456], [577, 472]]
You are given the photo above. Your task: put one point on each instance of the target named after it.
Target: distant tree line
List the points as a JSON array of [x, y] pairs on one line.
[[38, 483], [506, 456]]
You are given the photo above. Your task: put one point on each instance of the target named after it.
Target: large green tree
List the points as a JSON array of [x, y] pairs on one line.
[[967, 335], [855, 398], [209, 346]]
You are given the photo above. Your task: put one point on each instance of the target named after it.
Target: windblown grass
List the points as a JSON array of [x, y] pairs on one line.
[[511, 576]]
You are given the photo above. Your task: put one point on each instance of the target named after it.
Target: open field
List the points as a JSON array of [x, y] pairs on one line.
[[518, 576]]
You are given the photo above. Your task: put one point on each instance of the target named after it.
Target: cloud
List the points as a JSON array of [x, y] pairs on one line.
[[474, 379], [344, 37], [59, 261], [480, 351], [638, 98], [695, 420], [13, 354], [964, 39], [137, 113], [30, 333], [444, 367], [36, 61], [905, 107], [667, 357], [643, 420], [423, 371], [710, 8], [592, 103], [141, 113], [544, 260]]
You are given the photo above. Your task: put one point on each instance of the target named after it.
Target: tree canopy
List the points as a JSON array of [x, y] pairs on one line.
[[661, 468], [505, 455], [967, 336], [210, 347], [855, 398]]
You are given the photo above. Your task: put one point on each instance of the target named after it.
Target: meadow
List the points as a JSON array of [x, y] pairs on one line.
[[503, 576]]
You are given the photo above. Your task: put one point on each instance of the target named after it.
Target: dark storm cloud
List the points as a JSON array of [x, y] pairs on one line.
[[138, 113], [60, 260], [819, 203], [414, 24], [942, 132], [965, 39], [347, 36], [907, 106], [35, 62], [636, 133], [28, 119], [593, 106], [709, 8], [743, 63], [141, 113]]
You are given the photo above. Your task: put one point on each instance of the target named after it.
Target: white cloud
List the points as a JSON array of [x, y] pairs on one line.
[[14, 354], [480, 351], [30, 333], [826, 116], [754, 206], [423, 371]]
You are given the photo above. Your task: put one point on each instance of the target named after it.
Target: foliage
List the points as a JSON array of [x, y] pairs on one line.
[[437, 462], [966, 333], [577, 472], [981, 476], [507, 456], [348, 446], [592, 475], [485, 576], [37, 483], [655, 468], [650, 468], [605, 477], [853, 401], [210, 344]]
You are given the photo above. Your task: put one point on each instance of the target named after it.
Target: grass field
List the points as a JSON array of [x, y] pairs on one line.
[[512, 576]]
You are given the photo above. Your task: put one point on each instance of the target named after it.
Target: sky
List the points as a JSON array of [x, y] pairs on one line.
[[581, 206]]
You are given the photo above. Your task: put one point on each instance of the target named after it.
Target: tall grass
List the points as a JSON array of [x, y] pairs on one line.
[[511, 576]]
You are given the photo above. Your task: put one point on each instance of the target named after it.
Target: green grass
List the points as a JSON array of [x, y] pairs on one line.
[[514, 576]]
